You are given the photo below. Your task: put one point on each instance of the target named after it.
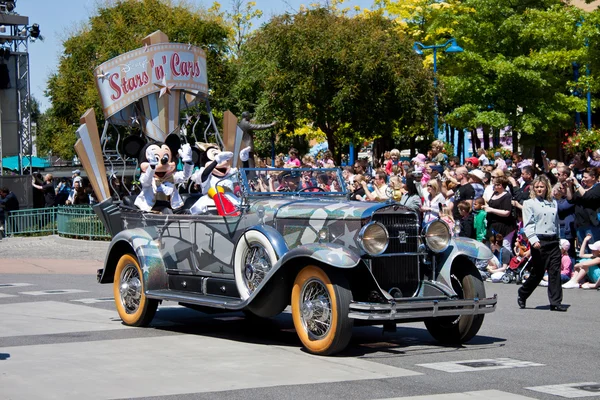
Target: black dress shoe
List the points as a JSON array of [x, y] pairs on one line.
[[521, 302], [559, 307]]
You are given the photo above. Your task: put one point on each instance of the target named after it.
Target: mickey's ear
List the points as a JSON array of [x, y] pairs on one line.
[[196, 156], [174, 143], [132, 145]]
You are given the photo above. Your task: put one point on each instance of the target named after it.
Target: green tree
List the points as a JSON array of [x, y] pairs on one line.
[[348, 77], [516, 69], [116, 28]]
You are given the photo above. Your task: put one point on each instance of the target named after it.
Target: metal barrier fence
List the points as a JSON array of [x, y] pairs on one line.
[[31, 222], [79, 222]]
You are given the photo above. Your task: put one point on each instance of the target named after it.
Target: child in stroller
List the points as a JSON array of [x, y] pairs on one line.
[[517, 270]]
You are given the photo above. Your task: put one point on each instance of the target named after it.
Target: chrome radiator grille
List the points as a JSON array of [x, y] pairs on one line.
[[403, 230], [400, 272], [397, 272]]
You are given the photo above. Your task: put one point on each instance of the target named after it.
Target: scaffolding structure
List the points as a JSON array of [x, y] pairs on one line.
[[15, 35]]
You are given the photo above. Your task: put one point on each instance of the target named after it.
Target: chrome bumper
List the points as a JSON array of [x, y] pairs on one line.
[[417, 309]]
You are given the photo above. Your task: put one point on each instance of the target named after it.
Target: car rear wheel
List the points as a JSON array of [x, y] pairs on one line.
[[134, 308], [253, 259], [320, 305], [461, 328]]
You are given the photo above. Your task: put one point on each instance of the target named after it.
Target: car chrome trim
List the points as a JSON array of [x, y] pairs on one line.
[[401, 310]]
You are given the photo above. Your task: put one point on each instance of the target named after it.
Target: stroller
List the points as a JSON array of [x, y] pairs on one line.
[[517, 270]]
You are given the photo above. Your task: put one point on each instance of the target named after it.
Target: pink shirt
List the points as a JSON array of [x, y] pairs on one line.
[[565, 265], [295, 161]]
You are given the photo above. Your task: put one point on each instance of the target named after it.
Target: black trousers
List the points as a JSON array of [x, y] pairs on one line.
[[546, 258]]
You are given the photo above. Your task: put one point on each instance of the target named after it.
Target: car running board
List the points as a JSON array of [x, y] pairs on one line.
[[226, 303]]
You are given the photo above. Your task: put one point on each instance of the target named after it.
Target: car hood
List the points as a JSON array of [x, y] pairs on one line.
[[318, 208]]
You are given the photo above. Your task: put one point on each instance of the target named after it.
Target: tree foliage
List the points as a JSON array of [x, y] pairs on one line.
[[347, 76], [516, 69], [118, 27]]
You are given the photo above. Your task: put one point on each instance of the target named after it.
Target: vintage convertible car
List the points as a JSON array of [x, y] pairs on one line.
[[294, 239]]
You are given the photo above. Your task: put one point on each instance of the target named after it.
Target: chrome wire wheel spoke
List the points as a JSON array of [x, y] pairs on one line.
[[130, 289], [257, 265], [315, 309]]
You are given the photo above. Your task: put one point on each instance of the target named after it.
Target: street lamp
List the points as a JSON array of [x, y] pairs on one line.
[[450, 47]]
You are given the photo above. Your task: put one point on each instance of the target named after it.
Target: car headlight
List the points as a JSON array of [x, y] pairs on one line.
[[437, 236], [373, 238]]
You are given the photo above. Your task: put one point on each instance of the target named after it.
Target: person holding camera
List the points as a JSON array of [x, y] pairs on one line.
[[586, 198], [540, 223]]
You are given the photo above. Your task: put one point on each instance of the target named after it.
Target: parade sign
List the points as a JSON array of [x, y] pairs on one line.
[[157, 68]]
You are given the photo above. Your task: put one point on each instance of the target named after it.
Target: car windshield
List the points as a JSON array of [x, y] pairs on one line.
[[300, 181]]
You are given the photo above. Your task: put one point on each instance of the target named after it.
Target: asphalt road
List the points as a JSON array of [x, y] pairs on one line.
[[61, 338]]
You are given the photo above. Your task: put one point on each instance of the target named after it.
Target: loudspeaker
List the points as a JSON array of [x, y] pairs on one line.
[[4, 77]]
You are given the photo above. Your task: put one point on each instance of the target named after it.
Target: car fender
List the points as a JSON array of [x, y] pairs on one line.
[[277, 241], [327, 253], [460, 247], [147, 252]]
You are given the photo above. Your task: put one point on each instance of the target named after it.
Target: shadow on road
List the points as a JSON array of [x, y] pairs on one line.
[[279, 331]]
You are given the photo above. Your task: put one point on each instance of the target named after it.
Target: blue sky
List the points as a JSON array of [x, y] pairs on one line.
[[60, 18]]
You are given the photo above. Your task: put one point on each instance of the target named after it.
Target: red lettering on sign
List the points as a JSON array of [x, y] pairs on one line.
[[113, 82], [135, 82], [184, 68]]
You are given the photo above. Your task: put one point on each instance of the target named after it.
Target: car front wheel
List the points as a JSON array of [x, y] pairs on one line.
[[134, 308], [462, 328], [320, 305]]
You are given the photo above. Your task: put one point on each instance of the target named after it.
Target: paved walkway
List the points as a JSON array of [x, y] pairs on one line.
[[51, 255]]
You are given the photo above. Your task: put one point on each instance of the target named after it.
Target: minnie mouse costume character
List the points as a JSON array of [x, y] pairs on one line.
[[216, 170], [158, 163]]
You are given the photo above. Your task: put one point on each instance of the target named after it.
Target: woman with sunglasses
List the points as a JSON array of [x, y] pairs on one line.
[[433, 199]]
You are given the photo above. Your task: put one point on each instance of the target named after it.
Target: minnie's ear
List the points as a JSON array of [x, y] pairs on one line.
[[132, 146], [174, 143]]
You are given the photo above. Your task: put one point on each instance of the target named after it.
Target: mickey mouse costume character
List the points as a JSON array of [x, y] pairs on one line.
[[158, 163], [216, 170]]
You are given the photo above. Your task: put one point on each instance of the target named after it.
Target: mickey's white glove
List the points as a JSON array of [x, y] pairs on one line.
[[245, 153], [152, 158], [185, 153], [223, 156]]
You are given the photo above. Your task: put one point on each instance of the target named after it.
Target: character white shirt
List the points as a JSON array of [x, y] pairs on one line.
[[153, 187]]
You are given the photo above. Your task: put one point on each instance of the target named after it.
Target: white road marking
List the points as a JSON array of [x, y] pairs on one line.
[[55, 291], [470, 365], [478, 395], [2, 295], [568, 390], [94, 301], [9, 285]]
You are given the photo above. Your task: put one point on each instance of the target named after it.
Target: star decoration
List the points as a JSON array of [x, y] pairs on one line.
[[103, 75], [339, 252], [348, 237], [349, 212], [125, 224], [164, 87], [146, 269], [134, 120], [188, 120]]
